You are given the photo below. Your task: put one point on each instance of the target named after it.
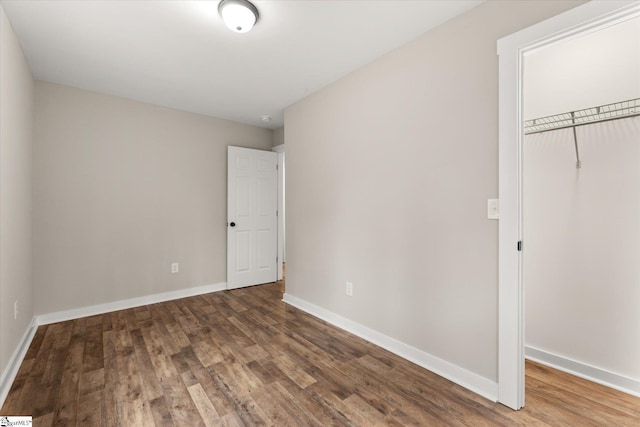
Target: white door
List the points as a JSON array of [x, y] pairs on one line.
[[252, 223]]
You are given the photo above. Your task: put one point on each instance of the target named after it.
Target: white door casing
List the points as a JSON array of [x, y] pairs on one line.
[[576, 22], [252, 192], [280, 149]]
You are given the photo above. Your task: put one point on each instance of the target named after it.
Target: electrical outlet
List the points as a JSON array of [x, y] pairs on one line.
[[349, 289], [15, 309], [175, 267]]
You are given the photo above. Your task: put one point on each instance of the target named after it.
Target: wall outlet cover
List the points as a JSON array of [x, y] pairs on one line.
[[349, 289]]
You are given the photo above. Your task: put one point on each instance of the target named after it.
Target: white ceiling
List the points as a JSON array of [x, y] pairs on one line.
[[179, 54]]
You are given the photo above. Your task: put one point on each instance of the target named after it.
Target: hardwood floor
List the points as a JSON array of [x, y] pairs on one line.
[[243, 357]]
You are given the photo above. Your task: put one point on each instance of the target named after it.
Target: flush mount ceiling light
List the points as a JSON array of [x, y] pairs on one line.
[[239, 15]]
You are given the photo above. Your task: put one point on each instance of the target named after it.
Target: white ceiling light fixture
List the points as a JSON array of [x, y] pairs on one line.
[[239, 15]]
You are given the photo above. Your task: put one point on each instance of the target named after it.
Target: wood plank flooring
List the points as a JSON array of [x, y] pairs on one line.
[[243, 358]]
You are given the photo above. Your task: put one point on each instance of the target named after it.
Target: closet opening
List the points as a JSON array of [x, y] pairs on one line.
[[581, 205], [513, 50]]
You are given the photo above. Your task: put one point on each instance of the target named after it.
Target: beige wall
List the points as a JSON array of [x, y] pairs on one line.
[[598, 68], [278, 136], [583, 244], [16, 135], [388, 174], [121, 190]]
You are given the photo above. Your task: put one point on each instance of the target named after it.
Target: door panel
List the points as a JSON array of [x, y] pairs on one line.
[[251, 217], [264, 242], [242, 196], [242, 251]]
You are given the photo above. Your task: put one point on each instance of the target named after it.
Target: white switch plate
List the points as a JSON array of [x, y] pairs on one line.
[[349, 289], [493, 209], [175, 267]]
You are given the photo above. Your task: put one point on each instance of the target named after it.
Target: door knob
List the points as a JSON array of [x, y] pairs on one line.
[[232, 224]]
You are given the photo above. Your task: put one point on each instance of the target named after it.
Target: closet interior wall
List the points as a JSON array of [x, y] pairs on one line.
[[582, 224]]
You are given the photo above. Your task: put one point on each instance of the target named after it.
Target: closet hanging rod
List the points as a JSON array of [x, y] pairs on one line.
[[602, 113]]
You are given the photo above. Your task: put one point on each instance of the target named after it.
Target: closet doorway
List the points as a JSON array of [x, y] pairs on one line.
[[581, 205], [512, 50]]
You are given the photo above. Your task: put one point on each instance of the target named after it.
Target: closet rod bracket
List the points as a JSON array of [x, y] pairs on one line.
[[575, 141]]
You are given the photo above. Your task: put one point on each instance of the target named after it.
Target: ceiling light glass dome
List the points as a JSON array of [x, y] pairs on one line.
[[238, 15]]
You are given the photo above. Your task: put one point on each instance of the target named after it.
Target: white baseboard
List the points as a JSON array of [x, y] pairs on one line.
[[467, 379], [9, 374], [583, 370], [92, 310]]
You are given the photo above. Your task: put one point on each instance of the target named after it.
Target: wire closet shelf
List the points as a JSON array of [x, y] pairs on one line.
[[602, 113]]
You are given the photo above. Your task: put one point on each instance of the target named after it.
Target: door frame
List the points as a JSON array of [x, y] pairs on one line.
[[574, 23], [280, 149]]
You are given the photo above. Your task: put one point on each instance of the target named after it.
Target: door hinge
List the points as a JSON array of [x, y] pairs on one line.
[[519, 245], [276, 260], [276, 166], [276, 212]]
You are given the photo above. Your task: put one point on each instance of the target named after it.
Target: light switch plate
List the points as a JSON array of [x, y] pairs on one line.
[[493, 209]]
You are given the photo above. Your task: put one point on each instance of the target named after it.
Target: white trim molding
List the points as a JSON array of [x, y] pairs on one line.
[[584, 370], [10, 372], [92, 310], [281, 149], [467, 379], [581, 20]]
